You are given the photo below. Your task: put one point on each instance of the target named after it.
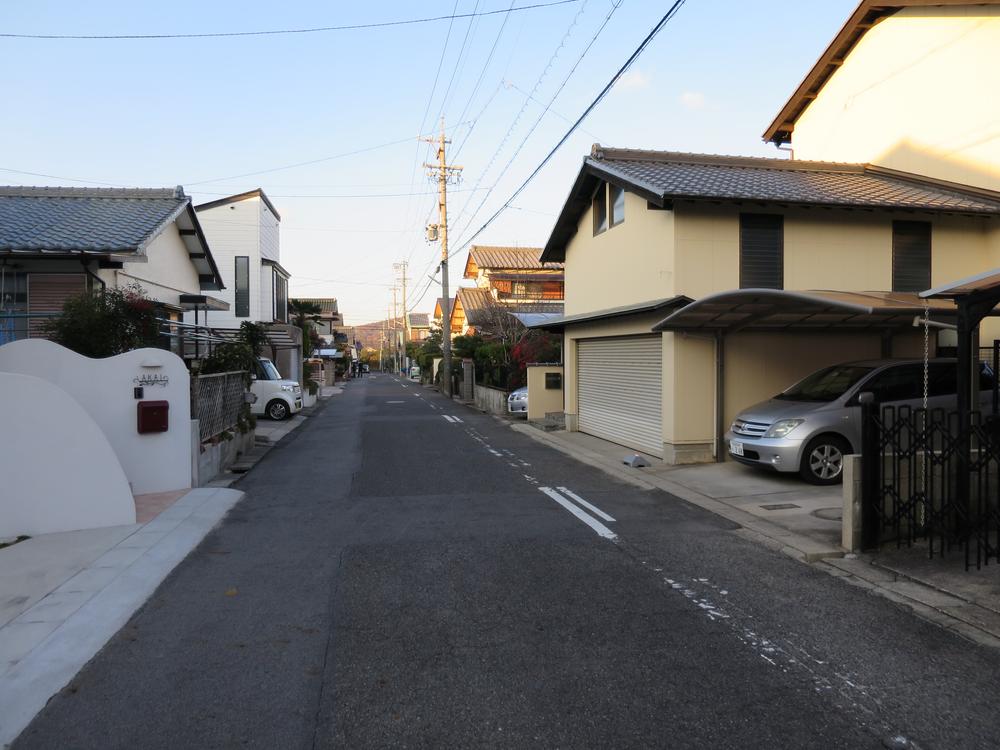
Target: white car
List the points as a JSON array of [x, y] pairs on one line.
[[277, 398], [415, 372], [517, 401]]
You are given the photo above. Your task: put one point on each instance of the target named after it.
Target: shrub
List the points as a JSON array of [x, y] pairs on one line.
[[106, 323]]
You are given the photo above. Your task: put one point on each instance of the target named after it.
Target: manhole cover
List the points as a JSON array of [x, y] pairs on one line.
[[780, 506], [829, 514]]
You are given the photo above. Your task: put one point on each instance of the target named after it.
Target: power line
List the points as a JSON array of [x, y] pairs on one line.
[[458, 63], [517, 117], [614, 7], [590, 108], [343, 195], [307, 163], [276, 32], [479, 81]]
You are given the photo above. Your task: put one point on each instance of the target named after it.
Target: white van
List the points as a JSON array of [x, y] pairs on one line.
[[277, 398], [415, 372]]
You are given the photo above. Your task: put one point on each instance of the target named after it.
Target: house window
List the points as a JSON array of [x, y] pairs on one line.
[[762, 251], [13, 305], [608, 197], [911, 256], [280, 298], [601, 210], [617, 201], [242, 286]]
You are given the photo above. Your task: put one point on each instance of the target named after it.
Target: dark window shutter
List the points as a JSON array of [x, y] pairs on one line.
[[762, 254], [911, 256], [242, 286]]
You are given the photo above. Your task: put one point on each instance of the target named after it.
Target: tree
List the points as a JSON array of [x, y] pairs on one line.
[[534, 346], [304, 315], [106, 323]]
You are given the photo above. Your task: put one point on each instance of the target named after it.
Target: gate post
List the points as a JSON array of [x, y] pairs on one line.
[[871, 464]]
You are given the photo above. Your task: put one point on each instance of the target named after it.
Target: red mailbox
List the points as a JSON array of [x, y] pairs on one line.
[[153, 416]]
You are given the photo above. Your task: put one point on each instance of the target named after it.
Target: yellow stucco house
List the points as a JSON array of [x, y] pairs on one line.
[[697, 285]]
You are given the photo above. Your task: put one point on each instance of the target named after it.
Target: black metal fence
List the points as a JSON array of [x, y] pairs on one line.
[[928, 477]]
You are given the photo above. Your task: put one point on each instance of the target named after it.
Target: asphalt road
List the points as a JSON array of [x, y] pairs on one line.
[[398, 576]]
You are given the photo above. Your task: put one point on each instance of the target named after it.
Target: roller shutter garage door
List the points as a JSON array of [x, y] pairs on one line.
[[620, 391]]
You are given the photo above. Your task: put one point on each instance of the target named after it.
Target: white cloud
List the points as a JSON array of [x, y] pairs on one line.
[[692, 100], [634, 79]]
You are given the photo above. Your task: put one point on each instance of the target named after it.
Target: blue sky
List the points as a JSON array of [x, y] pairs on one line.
[[197, 112]]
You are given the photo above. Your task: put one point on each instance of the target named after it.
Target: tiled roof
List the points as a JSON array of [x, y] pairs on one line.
[[326, 304], [84, 220], [485, 256], [698, 176], [663, 177], [477, 304]]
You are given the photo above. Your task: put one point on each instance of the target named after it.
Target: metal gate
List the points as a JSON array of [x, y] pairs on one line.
[[619, 395], [926, 478]]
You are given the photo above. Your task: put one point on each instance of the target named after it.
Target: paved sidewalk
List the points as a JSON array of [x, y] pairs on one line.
[[63, 596], [804, 522]]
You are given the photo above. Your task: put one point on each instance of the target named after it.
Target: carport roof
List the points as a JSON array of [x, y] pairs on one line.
[[987, 281], [559, 323], [776, 310]]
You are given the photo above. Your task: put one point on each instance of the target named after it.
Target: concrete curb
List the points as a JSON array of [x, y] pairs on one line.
[[82, 614], [935, 604]]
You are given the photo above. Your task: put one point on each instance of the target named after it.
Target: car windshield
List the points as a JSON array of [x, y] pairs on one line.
[[270, 370], [826, 385]]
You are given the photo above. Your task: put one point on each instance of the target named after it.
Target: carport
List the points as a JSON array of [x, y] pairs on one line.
[[818, 313]]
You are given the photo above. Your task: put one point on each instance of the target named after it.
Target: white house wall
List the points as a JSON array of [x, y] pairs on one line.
[[167, 273], [270, 247], [232, 230], [266, 301]]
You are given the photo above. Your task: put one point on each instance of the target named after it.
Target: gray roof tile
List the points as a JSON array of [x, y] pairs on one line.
[[699, 176], [84, 220]]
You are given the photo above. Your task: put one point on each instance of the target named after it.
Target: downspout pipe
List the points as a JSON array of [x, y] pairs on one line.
[[720, 397]]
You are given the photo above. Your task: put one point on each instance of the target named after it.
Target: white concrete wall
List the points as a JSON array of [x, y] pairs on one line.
[[156, 462], [59, 471]]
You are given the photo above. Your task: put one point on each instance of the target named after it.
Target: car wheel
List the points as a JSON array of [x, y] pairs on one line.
[[823, 460], [277, 410]]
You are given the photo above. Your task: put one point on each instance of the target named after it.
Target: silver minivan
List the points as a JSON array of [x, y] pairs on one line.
[[810, 427]]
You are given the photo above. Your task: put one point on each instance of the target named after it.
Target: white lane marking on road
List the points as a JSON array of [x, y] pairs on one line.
[[456, 419], [395, 402], [530, 478], [450, 419], [597, 526], [495, 453], [592, 508]]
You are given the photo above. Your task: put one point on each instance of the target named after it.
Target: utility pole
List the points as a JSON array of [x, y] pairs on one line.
[[395, 333], [442, 172], [401, 267]]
